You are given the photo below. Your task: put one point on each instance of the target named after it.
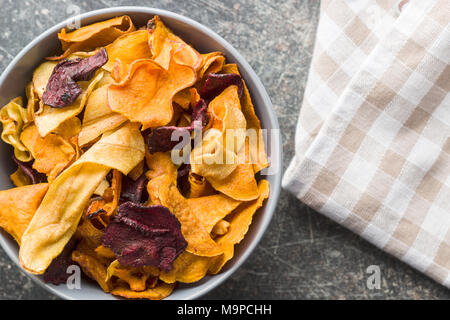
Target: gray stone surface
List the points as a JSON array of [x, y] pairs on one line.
[[303, 255]]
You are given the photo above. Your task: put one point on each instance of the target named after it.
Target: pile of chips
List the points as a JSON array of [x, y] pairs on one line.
[[96, 183]]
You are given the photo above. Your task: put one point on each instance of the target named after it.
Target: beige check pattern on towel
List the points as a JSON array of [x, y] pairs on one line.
[[372, 148]]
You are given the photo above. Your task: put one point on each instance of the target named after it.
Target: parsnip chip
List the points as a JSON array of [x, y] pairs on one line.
[[257, 148], [32, 101], [52, 153], [51, 118], [56, 219], [98, 117], [187, 268], [240, 221], [160, 291], [94, 35], [41, 75], [13, 118], [166, 46], [17, 207], [216, 157], [127, 48], [146, 94], [239, 184]]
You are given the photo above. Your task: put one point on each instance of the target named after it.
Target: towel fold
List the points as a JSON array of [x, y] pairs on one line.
[[372, 148]]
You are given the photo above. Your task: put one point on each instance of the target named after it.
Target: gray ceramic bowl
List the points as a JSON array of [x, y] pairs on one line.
[[19, 72]]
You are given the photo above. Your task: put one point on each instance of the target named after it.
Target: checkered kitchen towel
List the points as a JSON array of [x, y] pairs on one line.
[[372, 148]]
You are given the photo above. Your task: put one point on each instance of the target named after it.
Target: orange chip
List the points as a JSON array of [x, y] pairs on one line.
[[146, 93], [221, 227], [211, 209], [158, 292], [135, 277], [92, 266], [197, 236], [187, 268], [17, 208], [240, 221], [52, 153], [200, 187], [166, 46], [211, 63], [127, 48], [116, 185], [94, 35], [20, 179]]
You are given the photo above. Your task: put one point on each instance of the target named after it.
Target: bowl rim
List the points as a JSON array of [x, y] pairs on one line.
[[276, 148]]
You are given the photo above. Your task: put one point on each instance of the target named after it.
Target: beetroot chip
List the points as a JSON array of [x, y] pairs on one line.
[[134, 191], [217, 82], [62, 89], [27, 169], [183, 179], [160, 139], [145, 236], [56, 273]]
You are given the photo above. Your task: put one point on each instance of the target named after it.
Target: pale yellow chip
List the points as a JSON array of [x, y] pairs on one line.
[[98, 117], [13, 118], [56, 219]]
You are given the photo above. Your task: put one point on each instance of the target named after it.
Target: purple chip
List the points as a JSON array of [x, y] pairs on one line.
[[62, 89], [217, 82], [145, 236]]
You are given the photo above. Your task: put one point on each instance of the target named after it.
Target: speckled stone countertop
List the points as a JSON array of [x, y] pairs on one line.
[[303, 255]]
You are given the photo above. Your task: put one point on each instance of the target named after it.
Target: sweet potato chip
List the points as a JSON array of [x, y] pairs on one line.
[[19, 178], [127, 48], [13, 118], [166, 46], [94, 35], [136, 277], [240, 221], [192, 228], [56, 219], [199, 186], [51, 118], [52, 153], [160, 291], [17, 208], [145, 95], [211, 63], [187, 268], [92, 266], [221, 227], [211, 209]]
